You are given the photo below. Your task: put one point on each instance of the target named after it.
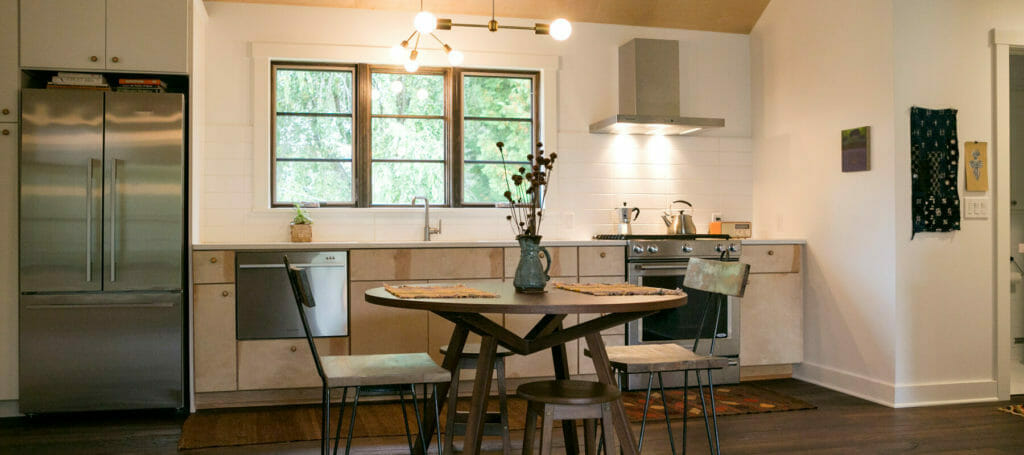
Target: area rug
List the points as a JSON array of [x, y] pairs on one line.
[[234, 427], [1015, 409]]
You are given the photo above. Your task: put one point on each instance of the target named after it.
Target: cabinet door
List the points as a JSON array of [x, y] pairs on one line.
[[772, 320], [63, 34], [377, 329], [9, 61], [602, 260], [214, 314], [9, 260], [283, 364], [147, 35]]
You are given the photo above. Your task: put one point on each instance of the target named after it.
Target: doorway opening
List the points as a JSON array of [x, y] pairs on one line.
[[1016, 246]]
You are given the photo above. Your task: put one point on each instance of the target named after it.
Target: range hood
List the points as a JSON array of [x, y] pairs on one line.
[[649, 93]]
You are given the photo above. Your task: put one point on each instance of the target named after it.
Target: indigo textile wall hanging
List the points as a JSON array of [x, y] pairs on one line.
[[934, 153]]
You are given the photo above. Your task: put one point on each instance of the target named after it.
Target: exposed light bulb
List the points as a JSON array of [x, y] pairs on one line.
[[422, 94], [561, 29], [396, 86], [455, 58], [412, 66], [398, 53], [424, 22]]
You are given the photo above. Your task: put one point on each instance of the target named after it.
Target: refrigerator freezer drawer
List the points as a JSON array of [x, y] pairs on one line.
[[101, 352]]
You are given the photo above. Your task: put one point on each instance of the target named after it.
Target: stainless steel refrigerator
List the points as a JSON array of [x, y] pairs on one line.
[[102, 242]]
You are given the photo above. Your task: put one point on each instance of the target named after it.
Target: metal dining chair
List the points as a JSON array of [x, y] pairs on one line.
[[386, 374], [720, 280]]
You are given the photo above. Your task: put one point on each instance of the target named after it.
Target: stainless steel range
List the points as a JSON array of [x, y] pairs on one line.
[[661, 261]]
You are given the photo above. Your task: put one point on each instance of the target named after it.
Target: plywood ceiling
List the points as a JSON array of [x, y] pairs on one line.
[[731, 16]]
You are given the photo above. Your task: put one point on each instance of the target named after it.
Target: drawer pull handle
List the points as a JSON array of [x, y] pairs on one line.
[[94, 59], [294, 349], [6, 111], [213, 260], [115, 60], [603, 254], [225, 293], [7, 132], [771, 252], [540, 255]]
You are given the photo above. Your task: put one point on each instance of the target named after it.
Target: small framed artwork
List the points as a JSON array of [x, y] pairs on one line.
[[976, 165], [857, 149]]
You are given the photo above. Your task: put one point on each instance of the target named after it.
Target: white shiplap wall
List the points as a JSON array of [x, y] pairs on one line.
[[596, 172]]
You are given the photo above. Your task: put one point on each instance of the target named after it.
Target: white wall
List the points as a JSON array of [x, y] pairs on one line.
[[819, 67], [943, 58], [597, 172], [899, 321]]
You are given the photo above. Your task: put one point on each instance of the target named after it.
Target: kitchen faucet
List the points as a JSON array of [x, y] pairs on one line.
[[427, 230]]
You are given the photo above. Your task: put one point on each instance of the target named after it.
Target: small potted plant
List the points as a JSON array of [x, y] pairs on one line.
[[524, 197], [302, 226]]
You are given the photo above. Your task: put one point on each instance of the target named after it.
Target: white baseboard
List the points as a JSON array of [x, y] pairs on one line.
[[898, 396], [940, 393], [846, 382], [9, 408]]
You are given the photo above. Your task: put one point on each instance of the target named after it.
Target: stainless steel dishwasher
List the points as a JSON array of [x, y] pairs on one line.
[[266, 306]]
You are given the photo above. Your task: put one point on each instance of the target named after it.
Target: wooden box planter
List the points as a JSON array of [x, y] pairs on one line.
[[302, 232]]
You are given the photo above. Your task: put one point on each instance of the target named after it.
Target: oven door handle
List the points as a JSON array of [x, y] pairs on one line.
[[660, 267]]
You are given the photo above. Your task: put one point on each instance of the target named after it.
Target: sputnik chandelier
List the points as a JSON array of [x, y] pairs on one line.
[[426, 23]]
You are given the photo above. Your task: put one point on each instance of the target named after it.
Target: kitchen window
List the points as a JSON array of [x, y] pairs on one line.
[[370, 136]]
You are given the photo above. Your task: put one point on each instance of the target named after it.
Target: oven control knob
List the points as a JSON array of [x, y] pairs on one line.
[[638, 249], [719, 248], [687, 249], [652, 249], [733, 248]]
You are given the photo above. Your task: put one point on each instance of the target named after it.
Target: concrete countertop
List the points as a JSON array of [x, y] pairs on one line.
[[406, 244], [435, 244]]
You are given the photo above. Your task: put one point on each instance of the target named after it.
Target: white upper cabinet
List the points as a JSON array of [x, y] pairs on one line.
[[63, 34], [9, 61], [114, 35], [147, 35]]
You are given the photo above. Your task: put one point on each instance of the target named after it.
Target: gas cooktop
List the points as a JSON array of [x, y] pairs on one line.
[[660, 236]]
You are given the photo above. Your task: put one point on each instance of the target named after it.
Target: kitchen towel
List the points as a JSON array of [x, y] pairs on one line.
[[934, 153]]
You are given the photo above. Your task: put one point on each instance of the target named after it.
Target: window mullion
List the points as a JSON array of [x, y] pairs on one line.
[[364, 105]]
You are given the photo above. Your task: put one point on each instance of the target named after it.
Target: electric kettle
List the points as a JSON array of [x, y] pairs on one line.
[[679, 223]]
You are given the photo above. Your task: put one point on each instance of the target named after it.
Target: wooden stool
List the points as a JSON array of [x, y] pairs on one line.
[[495, 423], [568, 400]]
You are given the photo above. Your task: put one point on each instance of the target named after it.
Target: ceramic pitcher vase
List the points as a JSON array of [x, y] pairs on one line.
[[531, 275]]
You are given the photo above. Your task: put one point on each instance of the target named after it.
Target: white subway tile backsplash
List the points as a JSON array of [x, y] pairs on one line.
[[596, 174]]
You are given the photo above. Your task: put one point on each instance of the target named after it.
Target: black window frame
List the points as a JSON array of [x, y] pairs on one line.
[[274, 67], [362, 118]]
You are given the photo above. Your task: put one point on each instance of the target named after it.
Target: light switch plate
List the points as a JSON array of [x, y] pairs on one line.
[[1020, 247], [976, 207]]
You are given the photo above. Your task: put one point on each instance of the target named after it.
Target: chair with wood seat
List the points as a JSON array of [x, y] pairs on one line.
[[720, 280], [495, 423], [570, 400], [390, 374]]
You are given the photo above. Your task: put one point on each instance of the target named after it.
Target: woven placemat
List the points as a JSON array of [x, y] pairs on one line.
[[616, 289], [458, 291]]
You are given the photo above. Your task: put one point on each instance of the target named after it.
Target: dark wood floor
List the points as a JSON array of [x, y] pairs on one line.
[[841, 424]]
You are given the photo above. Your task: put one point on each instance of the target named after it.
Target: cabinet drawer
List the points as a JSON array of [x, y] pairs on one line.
[[772, 258], [214, 334], [378, 329], [602, 260], [563, 261], [283, 364], [213, 267], [426, 264]]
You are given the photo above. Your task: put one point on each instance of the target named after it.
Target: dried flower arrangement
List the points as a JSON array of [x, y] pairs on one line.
[[527, 191]]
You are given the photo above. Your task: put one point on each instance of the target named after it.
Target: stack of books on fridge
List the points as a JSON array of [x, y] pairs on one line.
[[89, 81], [141, 85]]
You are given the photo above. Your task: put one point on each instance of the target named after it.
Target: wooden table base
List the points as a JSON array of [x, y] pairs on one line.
[[548, 333]]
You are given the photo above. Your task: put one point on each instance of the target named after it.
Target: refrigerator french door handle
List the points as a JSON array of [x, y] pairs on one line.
[[113, 220], [88, 220]]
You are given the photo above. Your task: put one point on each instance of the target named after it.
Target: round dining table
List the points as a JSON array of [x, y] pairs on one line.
[[548, 333]]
